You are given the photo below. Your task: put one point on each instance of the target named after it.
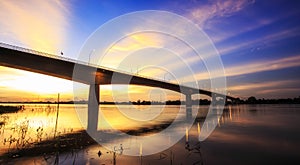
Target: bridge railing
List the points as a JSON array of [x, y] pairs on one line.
[[31, 51]]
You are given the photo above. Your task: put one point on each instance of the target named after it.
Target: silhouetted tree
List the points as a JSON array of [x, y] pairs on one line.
[[251, 100]]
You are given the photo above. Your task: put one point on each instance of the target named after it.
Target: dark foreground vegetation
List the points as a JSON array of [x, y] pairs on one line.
[[70, 142], [63, 143], [10, 109]]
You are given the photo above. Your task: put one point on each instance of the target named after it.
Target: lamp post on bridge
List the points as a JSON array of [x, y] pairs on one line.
[[91, 54], [165, 76]]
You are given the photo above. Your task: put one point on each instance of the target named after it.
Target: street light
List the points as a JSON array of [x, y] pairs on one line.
[[91, 54], [165, 76]]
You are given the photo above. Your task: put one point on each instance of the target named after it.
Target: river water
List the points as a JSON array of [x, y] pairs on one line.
[[244, 134]]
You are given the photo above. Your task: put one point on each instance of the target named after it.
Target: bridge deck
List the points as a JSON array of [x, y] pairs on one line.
[[61, 67]]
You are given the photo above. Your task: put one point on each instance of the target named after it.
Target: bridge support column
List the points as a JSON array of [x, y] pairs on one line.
[[226, 100], [213, 99], [188, 101], [188, 105], [93, 108]]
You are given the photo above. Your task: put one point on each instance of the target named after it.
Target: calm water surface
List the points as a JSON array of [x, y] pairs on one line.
[[245, 134]]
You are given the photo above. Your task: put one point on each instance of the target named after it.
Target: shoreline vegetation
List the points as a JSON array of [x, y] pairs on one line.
[[250, 100], [64, 143], [10, 109], [70, 142]]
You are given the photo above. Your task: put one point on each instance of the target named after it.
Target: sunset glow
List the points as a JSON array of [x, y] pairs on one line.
[[259, 50], [149, 82]]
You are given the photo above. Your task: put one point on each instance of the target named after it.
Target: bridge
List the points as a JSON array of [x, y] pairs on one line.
[[92, 75]]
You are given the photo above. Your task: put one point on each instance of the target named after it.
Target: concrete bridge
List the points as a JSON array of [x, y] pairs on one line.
[[92, 75]]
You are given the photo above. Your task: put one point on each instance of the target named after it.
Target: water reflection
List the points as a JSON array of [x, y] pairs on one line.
[[242, 133], [34, 124], [37, 124]]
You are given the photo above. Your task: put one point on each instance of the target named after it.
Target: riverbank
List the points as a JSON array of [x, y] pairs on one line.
[[70, 142]]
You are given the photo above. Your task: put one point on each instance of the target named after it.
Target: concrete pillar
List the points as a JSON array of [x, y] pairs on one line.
[[214, 99], [188, 105], [188, 101], [93, 108]]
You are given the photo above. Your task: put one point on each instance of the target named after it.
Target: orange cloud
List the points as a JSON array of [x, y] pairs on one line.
[[40, 25], [127, 46]]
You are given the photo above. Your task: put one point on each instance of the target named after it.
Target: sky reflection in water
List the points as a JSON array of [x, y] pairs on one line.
[[246, 134]]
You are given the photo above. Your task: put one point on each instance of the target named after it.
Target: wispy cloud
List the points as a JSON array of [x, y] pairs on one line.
[[261, 66], [127, 46], [282, 91], [248, 68], [262, 85], [133, 42], [266, 89], [217, 8], [36, 24], [265, 41]]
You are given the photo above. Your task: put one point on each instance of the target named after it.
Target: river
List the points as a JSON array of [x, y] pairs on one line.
[[244, 134]]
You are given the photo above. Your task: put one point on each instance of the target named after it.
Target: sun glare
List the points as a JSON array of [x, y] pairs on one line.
[[35, 83]]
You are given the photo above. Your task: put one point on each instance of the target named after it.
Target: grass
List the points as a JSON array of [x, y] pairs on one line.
[[62, 143], [65, 143]]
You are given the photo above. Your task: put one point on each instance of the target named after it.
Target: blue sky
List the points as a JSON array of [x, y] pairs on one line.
[[258, 41]]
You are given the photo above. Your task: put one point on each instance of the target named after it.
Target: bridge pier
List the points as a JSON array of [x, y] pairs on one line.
[[214, 99], [188, 105], [219, 99], [226, 100], [93, 108], [188, 100]]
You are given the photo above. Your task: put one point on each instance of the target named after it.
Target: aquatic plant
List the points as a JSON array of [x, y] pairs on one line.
[[39, 134]]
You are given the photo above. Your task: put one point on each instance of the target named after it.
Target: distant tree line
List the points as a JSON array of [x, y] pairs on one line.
[[250, 100], [253, 100]]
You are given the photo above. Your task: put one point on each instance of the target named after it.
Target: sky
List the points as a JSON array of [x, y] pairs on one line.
[[257, 40]]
